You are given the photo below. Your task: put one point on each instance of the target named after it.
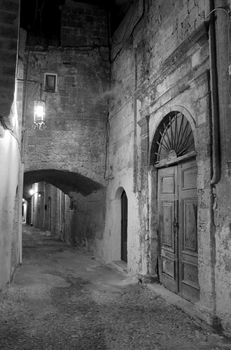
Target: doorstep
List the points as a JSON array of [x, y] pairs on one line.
[[120, 266], [193, 310]]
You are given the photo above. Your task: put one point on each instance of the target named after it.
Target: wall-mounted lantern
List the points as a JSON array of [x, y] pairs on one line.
[[39, 115]]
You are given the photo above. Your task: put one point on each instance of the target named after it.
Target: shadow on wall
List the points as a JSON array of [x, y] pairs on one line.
[[87, 214]]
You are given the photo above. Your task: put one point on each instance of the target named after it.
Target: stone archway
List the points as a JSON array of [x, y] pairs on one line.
[[174, 201], [67, 181], [120, 218], [67, 204]]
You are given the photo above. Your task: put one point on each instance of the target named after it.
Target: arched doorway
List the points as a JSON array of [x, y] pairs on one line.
[[124, 224], [173, 155]]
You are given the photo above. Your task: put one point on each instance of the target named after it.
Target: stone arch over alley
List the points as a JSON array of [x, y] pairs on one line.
[[67, 181], [67, 204]]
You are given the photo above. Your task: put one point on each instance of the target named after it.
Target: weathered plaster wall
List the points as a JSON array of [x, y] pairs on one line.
[[10, 195], [10, 136], [9, 156]]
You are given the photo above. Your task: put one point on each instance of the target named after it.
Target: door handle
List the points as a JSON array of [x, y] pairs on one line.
[[175, 225]]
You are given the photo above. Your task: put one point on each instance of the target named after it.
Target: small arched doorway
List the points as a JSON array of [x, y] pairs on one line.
[[124, 224], [173, 155]]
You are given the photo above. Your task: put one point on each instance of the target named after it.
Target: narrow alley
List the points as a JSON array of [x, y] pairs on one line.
[[63, 298]]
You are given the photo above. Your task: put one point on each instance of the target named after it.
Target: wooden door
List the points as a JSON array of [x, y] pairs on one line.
[[167, 197], [124, 221], [188, 256], [177, 197]]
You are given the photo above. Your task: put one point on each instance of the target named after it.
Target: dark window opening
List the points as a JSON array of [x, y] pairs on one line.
[[50, 82]]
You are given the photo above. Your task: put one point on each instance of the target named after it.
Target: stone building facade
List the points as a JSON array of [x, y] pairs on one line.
[[70, 152], [134, 162], [11, 168], [173, 60]]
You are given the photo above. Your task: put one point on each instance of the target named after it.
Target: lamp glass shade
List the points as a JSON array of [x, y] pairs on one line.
[[39, 111]]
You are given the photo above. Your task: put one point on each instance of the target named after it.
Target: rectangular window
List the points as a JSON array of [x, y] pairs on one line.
[[50, 82]]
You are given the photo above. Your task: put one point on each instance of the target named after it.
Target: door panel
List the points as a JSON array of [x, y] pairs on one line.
[[188, 257], [188, 176], [167, 212], [177, 198], [189, 207]]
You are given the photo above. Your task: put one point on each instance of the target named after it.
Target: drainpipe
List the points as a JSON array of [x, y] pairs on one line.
[[215, 34], [216, 172], [135, 126]]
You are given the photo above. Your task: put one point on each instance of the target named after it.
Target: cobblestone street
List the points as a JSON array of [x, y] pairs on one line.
[[62, 298]]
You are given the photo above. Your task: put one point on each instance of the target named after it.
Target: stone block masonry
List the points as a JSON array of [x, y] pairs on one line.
[[74, 141], [83, 25], [76, 112]]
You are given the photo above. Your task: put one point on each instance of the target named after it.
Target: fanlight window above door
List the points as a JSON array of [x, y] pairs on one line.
[[173, 140]]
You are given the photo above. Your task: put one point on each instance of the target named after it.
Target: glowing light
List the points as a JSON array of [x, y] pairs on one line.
[[39, 114], [32, 192]]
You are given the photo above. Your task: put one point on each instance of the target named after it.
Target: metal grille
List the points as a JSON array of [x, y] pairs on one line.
[[174, 139]]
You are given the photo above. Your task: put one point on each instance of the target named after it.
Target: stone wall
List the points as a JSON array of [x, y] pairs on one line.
[[76, 112], [159, 28], [74, 139], [162, 66], [72, 147], [84, 25]]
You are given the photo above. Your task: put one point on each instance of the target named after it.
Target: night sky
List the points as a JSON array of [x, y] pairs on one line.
[[41, 18]]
